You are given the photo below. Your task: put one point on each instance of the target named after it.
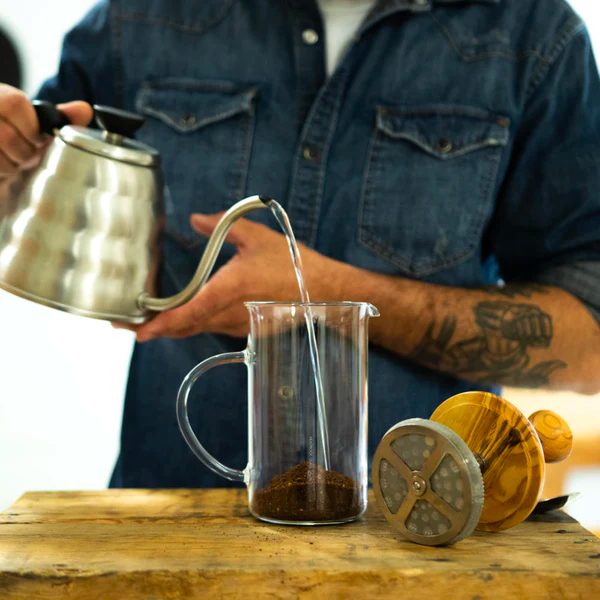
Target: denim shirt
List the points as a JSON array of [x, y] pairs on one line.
[[457, 141]]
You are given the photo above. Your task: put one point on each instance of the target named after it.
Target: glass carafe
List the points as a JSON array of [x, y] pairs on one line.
[[307, 458]]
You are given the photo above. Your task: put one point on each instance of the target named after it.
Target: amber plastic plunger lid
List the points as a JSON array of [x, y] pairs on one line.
[[509, 450]]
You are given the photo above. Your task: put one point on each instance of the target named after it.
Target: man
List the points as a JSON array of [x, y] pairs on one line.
[[452, 142]]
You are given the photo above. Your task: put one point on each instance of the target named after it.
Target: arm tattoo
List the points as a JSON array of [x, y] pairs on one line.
[[516, 289], [500, 353]]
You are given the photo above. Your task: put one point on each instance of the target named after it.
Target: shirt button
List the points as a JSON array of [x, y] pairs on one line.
[[188, 120], [310, 153], [310, 37], [444, 145]]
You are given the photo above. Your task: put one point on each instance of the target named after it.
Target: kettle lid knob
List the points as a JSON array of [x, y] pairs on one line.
[[117, 121]]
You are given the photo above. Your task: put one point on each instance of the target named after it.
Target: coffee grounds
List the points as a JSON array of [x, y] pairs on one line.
[[307, 492]]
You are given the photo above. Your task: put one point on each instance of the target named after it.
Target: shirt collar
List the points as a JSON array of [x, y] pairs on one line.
[[422, 5], [383, 8], [466, 1]]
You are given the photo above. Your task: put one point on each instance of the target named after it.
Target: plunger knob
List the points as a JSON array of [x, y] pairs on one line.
[[554, 433]]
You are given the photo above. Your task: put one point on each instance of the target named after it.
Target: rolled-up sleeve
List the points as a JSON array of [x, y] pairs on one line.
[[547, 223], [582, 279]]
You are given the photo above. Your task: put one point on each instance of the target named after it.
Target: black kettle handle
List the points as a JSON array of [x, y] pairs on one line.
[[49, 116], [108, 118]]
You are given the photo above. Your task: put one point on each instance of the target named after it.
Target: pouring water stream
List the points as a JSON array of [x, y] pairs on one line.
[[284, 223]]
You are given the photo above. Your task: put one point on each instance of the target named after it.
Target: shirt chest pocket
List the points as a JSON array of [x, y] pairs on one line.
[[203, 131], [428, 185]]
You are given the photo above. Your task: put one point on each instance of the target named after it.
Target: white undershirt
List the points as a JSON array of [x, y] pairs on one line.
[[341, 19]]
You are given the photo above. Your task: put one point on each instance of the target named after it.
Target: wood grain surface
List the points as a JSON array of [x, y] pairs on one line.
[[188, 544]]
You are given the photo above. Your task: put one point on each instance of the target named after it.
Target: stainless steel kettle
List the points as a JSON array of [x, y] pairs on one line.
[[81, 231]]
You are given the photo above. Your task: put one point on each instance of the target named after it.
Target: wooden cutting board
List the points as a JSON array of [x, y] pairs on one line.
[[167, 544]]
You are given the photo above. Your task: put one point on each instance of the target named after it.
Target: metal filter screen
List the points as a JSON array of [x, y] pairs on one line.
[[428, 482]]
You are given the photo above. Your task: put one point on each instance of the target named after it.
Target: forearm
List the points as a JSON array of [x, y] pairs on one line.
[[529, 336]]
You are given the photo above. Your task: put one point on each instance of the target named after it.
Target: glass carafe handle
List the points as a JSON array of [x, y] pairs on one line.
[[184, 422]]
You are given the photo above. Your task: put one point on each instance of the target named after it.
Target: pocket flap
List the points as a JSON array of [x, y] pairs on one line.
[[189, 105], [443, 131]]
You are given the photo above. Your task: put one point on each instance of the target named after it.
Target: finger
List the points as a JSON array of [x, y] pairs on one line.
[[124, 326], [16, 109], [229, 319], [221, 319], [35, 158], [238, 327], [78, 112], [7, 167], [239, 234], [163, 325], [14, 145], [194, 316]]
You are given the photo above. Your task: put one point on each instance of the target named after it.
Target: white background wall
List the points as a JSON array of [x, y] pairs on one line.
[[62, 378]]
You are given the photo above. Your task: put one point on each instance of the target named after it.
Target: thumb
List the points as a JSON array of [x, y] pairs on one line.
[[206, 224], [78, 113]]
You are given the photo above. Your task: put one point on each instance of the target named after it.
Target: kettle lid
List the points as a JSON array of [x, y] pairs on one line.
[[114, 140]]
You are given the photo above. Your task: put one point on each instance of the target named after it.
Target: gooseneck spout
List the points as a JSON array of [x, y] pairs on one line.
[[209, 257]]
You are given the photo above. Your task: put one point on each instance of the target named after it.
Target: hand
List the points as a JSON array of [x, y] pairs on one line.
[[261, 270], [21, 143]]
